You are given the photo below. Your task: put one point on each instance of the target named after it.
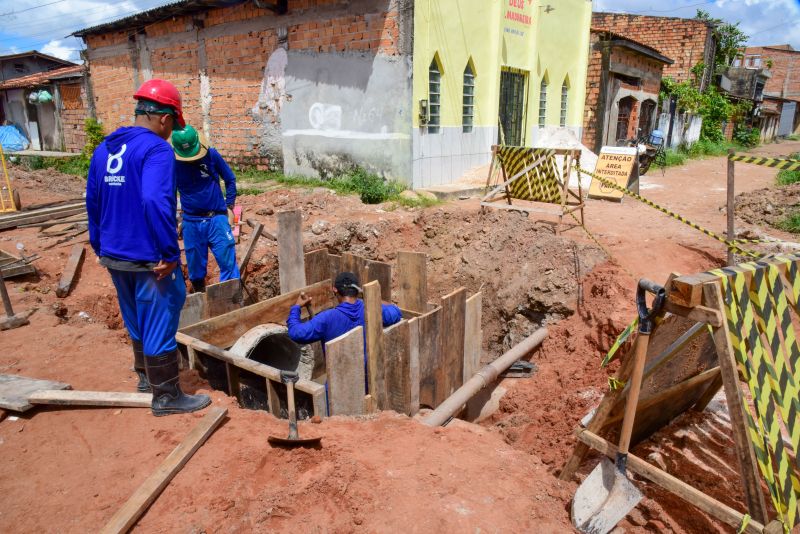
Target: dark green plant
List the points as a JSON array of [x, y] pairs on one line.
[[746, 136], [94, 136], [730, 40], [789, 177], [791, 223]]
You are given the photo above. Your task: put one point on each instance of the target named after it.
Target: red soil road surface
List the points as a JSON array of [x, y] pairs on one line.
[[70, 470]]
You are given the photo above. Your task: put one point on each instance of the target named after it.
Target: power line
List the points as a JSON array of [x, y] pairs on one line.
[[675, 9], [30, 8]]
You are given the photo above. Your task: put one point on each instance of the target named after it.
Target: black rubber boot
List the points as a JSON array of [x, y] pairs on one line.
[[162, 371], [199, 286], [138, 366]]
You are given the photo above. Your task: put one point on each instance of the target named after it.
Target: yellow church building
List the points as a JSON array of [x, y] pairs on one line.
[[494, 71]]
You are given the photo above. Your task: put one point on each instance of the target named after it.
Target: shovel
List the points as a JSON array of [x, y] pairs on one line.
[[294, 440], [606, 496]]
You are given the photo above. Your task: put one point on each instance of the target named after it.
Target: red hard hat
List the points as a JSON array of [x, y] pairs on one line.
[[162, 92]]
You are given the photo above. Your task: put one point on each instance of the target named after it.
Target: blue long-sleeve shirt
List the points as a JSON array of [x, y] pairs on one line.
[[330, 324], [198, 184], [130, 198]]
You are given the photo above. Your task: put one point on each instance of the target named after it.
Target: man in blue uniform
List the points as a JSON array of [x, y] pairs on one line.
[[330, 324], [130, 200], [206, 214]]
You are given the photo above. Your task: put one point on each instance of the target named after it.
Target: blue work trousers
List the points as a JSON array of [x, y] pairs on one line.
[[151, 308], [200, 233]]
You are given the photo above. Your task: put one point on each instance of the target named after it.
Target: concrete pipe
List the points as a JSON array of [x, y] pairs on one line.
[[483, 378]]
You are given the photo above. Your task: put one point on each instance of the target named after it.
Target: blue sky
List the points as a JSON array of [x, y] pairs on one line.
[[45, 24]]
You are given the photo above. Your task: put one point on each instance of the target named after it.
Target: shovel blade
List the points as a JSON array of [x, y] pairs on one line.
[[293, 442], [603, 499]]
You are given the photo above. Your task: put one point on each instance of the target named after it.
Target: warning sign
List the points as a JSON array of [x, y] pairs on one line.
[[616, 165]]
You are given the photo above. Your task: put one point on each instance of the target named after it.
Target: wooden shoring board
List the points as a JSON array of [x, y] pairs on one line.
[[412, 281], [30, 217], [224, 330], [334, 266], [382, 272], [355, 264], [69, 397], [317, 266], [451, 340], [473, 336], [430, 358], [344, 365], [15, 390], [373, 322], [224, 297], [317, 391], [148, 492], [413, 365], [70, 271], [397, 368], [250, 248], [12, 266], [291, 262], [194, 310]]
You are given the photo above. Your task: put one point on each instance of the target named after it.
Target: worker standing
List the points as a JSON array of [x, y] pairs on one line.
[[131, 204], [207, 215]]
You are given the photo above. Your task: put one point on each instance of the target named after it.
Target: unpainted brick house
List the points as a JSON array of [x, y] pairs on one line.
[[783, 86], [54, 123], [317, 87], [623, 83]]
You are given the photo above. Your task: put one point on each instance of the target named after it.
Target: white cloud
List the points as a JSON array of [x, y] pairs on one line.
[[63, 49]]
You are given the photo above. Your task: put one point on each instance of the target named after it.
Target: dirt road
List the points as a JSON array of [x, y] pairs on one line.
[[70, 470]]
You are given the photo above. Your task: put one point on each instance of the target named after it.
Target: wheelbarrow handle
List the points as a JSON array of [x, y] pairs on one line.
[[646, 315]]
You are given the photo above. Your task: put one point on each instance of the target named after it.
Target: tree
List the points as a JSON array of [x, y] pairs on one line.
[[730, 40]]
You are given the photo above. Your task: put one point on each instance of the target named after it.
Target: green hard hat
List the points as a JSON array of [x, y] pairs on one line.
[[188, 145]]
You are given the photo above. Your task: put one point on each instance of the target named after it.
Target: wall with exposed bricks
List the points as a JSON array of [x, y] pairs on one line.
[[230, 66], [73, 112], [785, 70], [686, 41]]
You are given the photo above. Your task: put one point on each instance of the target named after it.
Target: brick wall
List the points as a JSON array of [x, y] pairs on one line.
[[235, 62], [686, 41], [73, 115], [593, 78], [784, 63]]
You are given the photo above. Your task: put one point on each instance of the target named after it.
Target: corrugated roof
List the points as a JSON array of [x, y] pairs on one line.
[[32, 80], [35, 53], [157, 14]]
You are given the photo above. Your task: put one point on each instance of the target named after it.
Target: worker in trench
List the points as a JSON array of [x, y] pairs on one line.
[[131, 204], [332, 323], [207, 214]]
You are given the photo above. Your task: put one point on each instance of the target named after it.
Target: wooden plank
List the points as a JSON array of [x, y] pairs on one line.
[[232, 375], [151, 488], [273, 399], [291, 263], [413, 365], [70, 271], [91, 398], [382, 272], [334, 265], [408, 314], [412, 281], [15, 390], [30, 217], [224, 297], [373, 321], [686, 492], [452, 342], [224, 330], [356, 265], [317, 266], [712, 294], [194, 310], [697, 313], [344, 365], [473, 336], [397, 368], [250, 248], [430, 358], [687, 290]]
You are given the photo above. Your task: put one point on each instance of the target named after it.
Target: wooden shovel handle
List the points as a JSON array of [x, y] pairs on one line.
[[640, 356]]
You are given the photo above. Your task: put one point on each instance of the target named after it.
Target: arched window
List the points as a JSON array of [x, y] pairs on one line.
[[543, 102], [564, 99], [626, 106], [468, 107], [434, 96]]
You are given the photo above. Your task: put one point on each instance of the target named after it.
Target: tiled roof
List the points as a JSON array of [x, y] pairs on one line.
[[40, 78]]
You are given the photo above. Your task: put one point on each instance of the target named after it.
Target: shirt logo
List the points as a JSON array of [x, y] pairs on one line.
[[114, 162]]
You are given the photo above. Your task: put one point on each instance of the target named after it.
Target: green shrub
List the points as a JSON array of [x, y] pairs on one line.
[[244, 191], [746, 136], [789, 177], [791, 223], [34, 162], [76, 165], [793, 137], [94, 136]]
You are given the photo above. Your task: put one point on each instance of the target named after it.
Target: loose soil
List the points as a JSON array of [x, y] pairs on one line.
[[70, 470]]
